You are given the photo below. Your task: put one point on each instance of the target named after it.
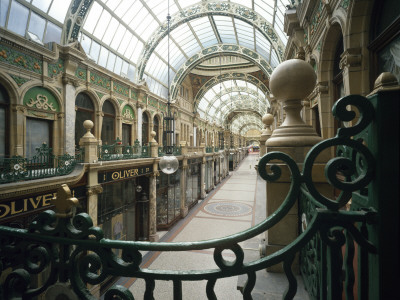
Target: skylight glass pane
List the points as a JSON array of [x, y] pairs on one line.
[[3, 12], [247, 3], [123, 7], [95, 50], [85, 43], [132, 46], [203, 104], [211, 112], [274, 59], [184, 37], [124, 69], [146, 29], [187, 3], [36, 25], [59, 9], [93, 17], [111, 31], [53, 33], [131, 13], [125, 42], [118, 65], [111, 61], [225, 29], [119, 34], [131, 72], [113, 4], [209, 94], [42, 4], [137, 51], [18, 18], [102, 24], [103, 57], [204, 31]]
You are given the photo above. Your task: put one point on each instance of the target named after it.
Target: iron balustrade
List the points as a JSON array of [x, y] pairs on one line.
[[209, 149], [42, 165], [77, 252], [118, 151], [176, 150]]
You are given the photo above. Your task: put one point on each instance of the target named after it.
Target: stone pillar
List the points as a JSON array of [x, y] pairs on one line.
[[70, 115], [194, 136], [153, 236], [203, 178], [18, 122], [291, 82], [89, 142], [153, 145], [212, 172], [184, 208], [139, 123], [267, 119]]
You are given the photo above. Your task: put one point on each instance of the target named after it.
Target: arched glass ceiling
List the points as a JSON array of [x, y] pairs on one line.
[[115, 33], [38, 20], [242, 120], [230, 95]]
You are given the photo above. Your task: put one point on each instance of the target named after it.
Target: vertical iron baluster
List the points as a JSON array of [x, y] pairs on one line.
[[348, 266], [177, 289]]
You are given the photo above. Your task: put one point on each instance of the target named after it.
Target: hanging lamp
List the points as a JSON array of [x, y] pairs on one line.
[[169, 163]]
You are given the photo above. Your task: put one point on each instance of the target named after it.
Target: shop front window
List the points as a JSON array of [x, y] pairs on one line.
[[126, 134], [156, 128]]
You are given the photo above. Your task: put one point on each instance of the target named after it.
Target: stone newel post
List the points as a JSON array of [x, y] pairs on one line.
[[267, 119], [291, 82]]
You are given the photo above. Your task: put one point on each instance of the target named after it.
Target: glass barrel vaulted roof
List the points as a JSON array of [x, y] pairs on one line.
[[128, 37]]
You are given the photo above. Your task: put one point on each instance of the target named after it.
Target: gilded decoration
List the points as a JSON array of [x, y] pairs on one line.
[[20, 60], [163, 107], [100, 80], [120, 89], [81, 73], [134, 95], [56, 68], [41, 102], [128, 113], [41, 98], [316, 19], [153, 102]]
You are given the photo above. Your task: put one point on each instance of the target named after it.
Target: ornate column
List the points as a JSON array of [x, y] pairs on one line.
[[153, 236], [89, 142], [139, 122], [291, 82], [203, 178], [267, 119], [17, 141], [184, 208], [70, 85]]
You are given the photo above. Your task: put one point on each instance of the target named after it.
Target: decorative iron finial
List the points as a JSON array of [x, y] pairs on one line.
[[64, 202]]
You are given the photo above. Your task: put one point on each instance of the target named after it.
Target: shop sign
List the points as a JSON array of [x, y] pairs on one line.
[[33, 203], [124, 174]]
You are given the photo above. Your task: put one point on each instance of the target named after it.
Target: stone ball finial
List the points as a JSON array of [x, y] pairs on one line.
[[268, 119], [88, 124], [292, 79], [153, 134]]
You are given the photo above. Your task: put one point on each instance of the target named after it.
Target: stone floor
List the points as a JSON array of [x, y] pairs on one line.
[[235, 205]]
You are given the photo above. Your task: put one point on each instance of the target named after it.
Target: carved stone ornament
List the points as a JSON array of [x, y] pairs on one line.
[[94, 190], [127, 114], [41, 102], [322, 87], [64, 202], [350, 58]]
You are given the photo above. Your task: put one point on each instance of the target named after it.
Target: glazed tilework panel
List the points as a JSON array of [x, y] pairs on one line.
[[20, 60]]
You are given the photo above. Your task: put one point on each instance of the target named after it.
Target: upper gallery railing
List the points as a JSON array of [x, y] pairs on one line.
[[74, 251], [118, 151], [176, 150], [43, 164]]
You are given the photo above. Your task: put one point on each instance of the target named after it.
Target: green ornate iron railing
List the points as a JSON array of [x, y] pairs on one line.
[[80, 154], [176, 150], [42, 165], [118, 151], [216, 149], [76, 252], [209, 149]]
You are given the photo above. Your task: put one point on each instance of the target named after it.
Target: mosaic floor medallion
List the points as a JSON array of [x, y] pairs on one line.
[[228, 209]]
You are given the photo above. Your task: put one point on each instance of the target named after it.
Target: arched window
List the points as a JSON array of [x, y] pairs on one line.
[[84, 111], [337, 80], [4, 122], [108, 128], [156, 128], [145, 129]]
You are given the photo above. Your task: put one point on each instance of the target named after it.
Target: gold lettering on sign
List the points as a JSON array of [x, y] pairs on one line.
[[13, 211], [41, 102], [4, 210]]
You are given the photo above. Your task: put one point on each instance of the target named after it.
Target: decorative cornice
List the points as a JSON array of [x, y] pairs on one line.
[[350, 58], [94, 190]]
